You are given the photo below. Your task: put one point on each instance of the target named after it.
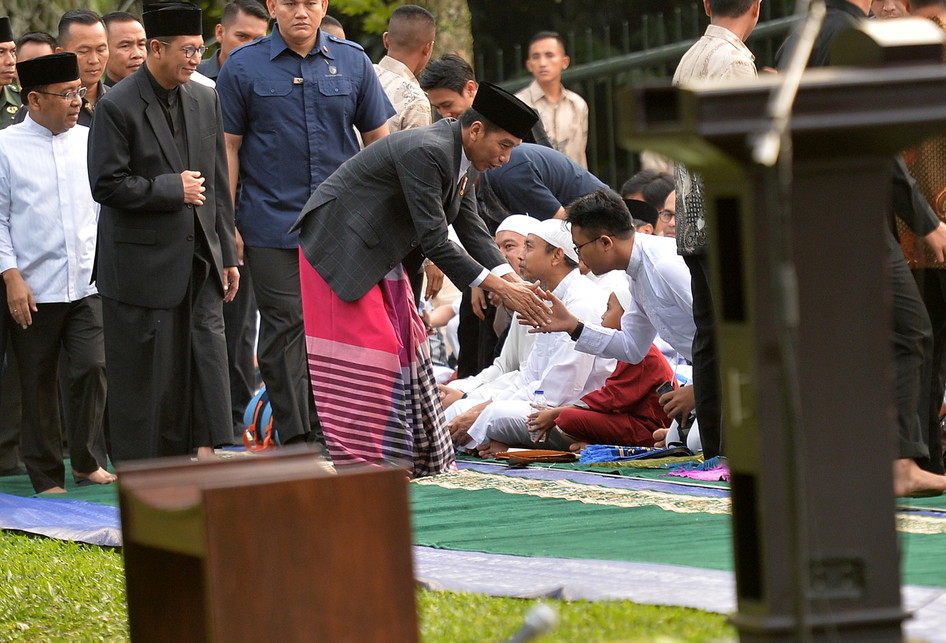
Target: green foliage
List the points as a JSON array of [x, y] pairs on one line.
[[374, 13], [60, 591], [29, 15]]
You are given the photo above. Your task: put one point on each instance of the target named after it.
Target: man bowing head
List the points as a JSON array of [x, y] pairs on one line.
[[366, 226]]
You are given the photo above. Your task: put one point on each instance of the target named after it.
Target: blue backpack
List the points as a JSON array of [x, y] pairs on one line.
[[258, 418]]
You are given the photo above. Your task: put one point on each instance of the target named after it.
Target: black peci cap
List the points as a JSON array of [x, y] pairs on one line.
[[504, 110], [48, 70], [6, 31], [168, 19]]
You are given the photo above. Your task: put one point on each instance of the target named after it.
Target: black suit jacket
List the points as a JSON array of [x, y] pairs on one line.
[[147, 235], [394, 197]]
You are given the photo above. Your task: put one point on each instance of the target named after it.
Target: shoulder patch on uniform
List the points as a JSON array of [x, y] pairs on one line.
[[338, 40], [247, 45]]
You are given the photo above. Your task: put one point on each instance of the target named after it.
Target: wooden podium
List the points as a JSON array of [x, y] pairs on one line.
[[266, 548], [809, 430]]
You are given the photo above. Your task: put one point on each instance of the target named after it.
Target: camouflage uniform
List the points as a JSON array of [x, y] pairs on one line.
[[10, 104]]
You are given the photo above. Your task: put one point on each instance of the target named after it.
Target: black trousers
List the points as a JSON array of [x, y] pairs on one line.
[[167, 373], [282, 354], [100, 448], [10, 420], [477, 338], [239, 320], [74, 329], [932, 287], [913, 359], [707, 389]]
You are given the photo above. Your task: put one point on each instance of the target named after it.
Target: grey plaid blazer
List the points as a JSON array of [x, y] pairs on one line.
[[389, 200]]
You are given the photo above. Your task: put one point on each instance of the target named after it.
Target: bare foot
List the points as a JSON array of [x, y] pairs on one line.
[[99, 476], [660, 438], [205, 453], [491, 448], [577, 446], [54, 490], [909, 480]]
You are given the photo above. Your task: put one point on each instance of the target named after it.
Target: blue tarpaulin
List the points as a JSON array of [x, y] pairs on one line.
[[74, 520]]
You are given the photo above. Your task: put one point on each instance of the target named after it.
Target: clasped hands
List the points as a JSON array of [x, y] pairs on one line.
[[523, 297], [557, 316]]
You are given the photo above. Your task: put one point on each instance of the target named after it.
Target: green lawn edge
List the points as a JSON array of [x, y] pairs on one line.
[[52, 590]]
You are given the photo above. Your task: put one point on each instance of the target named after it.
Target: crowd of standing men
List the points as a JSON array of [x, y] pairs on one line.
[[151, 203]]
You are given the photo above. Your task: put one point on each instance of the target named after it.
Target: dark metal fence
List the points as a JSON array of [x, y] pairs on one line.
[[645, 53]]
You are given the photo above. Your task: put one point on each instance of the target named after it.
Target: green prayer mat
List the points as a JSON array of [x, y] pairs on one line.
[[100, 494], [524, 518], [492, 513]]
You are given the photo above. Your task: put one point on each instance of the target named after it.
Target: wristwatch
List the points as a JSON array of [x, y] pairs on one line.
[[575, 334]]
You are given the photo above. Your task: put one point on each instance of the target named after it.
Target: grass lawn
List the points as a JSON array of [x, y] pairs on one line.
[[59, 591]]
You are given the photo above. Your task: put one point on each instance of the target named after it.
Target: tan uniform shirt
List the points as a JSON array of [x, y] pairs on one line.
[[566, 121], [405, 94], [718, 55]]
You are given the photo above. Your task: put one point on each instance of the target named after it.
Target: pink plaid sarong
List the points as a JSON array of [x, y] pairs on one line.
[[371, 374]]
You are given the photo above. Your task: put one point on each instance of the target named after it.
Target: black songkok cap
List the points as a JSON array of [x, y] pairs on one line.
[[642, 210], [504, 110], [168, 19], [6, 31], [48, 70]]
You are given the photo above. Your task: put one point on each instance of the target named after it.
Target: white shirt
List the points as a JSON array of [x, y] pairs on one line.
[[48, 219], [554, 366], [662, 304], [410, 102], [505, 368], [609, 281]]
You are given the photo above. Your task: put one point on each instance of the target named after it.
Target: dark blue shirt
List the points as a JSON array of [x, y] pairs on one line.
[[538, 181], [210, 67], [295, 115]]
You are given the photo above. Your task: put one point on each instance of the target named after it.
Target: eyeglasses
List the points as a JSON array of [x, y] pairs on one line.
[[580, 246], [70, 95], [189, 50], [666, 215]]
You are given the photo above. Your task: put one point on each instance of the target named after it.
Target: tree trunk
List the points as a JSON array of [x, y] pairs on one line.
[[453, 26], [44, 15], [30, 15]]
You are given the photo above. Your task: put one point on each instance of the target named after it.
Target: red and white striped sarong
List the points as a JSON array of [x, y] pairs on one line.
[[371, 374]]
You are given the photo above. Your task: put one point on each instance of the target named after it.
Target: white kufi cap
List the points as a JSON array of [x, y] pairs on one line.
[[518, 223], [559, 234]]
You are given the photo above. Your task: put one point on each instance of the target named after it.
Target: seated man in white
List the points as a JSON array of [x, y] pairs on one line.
[[510, 237], [660, 287], [554, 366], [625, 411]]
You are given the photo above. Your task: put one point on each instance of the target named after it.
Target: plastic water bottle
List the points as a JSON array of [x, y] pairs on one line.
[[538, 403]]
